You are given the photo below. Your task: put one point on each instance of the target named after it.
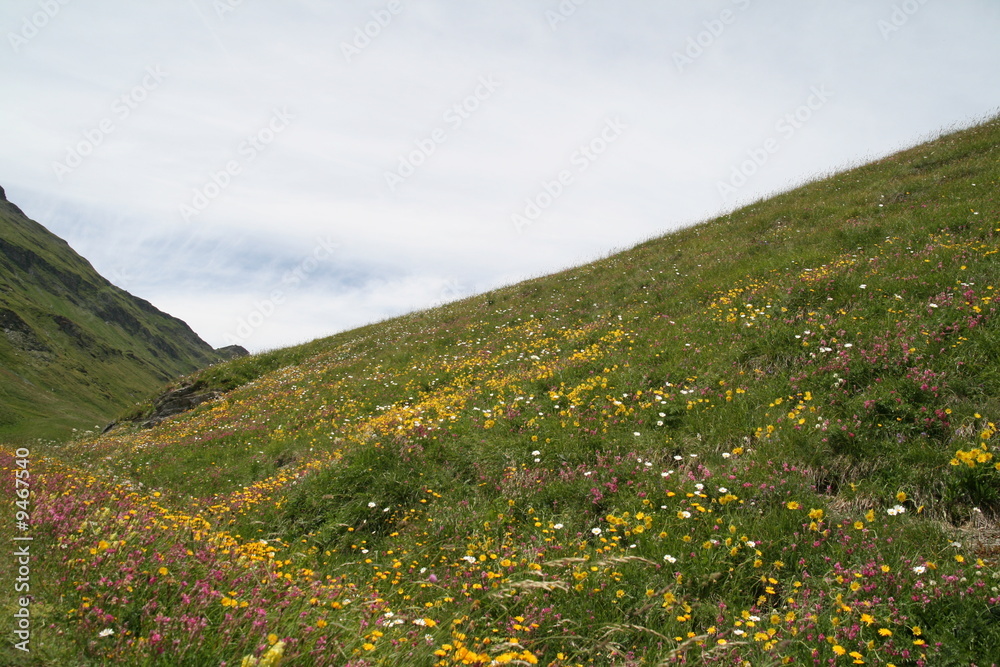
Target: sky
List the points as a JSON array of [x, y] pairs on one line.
[[272, 172]]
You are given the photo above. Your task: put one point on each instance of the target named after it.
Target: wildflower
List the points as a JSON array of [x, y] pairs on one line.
[[684, 514], [558, 526], [669, 559], [372, 504], [896, 509], [469, 559], [919, 569], [105, 632], [793, 505], [595, 531], [536, 453]]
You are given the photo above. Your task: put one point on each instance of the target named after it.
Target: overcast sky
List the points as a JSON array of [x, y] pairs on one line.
[[272, 172]]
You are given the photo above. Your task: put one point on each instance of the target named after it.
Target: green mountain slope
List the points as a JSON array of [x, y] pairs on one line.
[[75, 350], [762, 440]]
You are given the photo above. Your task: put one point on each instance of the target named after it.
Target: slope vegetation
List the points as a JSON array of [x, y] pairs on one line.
[[75, 350], [766, 439]]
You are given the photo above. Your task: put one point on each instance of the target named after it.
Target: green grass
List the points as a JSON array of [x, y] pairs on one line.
[[765, 439]]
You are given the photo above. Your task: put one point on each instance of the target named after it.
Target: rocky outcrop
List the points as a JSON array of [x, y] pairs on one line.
[[231, 352], [177, 401]]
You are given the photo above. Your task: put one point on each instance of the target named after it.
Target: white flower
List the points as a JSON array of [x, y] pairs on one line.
[[669, 559], [664, 474], [919, 569], [469, 559], [105, 632], [751, 544], [897, 509], [678, 457], [848, 344], [863, 286], [739, 632], [371, 504], [536, 453], [684, 514], [699, 486], [726, 455], [659, 422], [723, 489], [595, 531], [636, 433], [587, 474], [558, 526]]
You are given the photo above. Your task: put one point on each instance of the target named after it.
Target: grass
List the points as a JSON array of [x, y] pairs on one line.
[[766, 439]]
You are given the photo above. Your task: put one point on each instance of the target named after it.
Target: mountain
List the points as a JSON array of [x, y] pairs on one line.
[[75, 350], [766, 439]]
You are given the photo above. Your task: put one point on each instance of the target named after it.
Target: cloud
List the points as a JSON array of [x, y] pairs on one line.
[[353, 115]]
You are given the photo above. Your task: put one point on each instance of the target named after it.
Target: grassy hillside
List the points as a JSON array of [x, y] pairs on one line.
[[74, 349], [763, 440]]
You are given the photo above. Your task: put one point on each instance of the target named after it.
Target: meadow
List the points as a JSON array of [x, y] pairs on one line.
[[766, 439]]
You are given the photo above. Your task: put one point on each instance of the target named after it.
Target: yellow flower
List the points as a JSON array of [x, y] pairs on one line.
[[901, 496], [163, 571], [272, 638], [839, 650], [858, 525], [885, 632], [273, 656], [793, 505], [816, 515]]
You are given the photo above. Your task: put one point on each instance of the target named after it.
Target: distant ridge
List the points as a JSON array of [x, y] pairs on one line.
[[76, 350]]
